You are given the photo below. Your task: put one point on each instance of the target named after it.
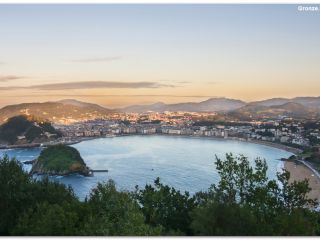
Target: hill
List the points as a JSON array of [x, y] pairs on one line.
[[26, 129], [60, 160], [81, 104], [290, 109], [155, 107], [71, 110], [310, 102], [210, 105], [63, 111]]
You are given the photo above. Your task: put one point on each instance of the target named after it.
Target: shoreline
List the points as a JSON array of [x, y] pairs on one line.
[[17, 146], [299, 171], [259, 142], [79, 140], [293, 150]]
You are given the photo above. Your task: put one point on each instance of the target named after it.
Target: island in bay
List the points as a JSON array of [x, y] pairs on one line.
[[60, 160]]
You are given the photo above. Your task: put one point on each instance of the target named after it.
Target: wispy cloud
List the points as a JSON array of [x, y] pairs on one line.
[[212, 82], [117, 95], [184, 82], [90, 85], [99, 59], [174, 81], [6, 78]]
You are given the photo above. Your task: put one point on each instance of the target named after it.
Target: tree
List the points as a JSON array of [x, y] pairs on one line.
[[20, 193], [49, 220], [239, 181], [219, 219], [166, 207], [246, 202], [114, 213], [15, 193]]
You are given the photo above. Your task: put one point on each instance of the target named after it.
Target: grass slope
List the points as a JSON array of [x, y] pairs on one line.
[[59, 159]]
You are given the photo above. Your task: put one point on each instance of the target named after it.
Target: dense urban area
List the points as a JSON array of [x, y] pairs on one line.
[[286, 131]]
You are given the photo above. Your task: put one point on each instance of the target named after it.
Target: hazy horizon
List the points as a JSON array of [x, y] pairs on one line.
[[123, 106], [120, 55]]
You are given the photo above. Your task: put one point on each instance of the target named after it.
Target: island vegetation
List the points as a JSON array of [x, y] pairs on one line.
[[243, 202], [60, 160], [25, 129]]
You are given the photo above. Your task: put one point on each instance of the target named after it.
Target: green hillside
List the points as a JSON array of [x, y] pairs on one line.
[[60, 160], [26, 129]]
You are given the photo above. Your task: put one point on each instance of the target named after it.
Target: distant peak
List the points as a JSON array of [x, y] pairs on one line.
[[159, 103], [69, 100], [75, 102]]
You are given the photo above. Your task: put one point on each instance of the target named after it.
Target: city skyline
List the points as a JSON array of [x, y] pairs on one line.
[[120, 55]]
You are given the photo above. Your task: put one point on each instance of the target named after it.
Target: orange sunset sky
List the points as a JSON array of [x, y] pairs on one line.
[[118, 55]]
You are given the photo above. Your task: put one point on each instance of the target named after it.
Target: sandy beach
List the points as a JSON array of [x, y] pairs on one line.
[[299, 172]]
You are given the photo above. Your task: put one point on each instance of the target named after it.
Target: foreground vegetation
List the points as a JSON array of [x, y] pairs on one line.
[[243, 202]]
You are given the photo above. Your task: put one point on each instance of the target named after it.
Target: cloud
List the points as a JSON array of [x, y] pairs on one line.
[[212, 82], [117, 95], [6, 78], [102, 59], [184, 82], [90, 85]]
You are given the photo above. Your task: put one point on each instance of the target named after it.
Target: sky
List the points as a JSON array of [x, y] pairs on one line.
[[119, 55]]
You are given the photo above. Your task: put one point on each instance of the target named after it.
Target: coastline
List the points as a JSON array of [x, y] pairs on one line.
[[29, 145], [265, 143], [79, 140], [277, 145], [298, 172]]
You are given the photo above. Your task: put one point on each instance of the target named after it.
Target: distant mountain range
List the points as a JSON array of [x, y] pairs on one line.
[[289, 109], [299, 107], [77, 110], [305, 101], [210, 105]]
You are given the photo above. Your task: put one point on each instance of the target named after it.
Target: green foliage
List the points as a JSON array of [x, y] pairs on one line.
[[313, 156], [32, 133], [166, 207], [60, 158], [19, 192], [14, 193], [219, 219], [114, 213], [29, 127], [239, 181], [49, 220], [259, 206], [47, 127], [13, 128], [313, 140], [244, 202], [265, 133]]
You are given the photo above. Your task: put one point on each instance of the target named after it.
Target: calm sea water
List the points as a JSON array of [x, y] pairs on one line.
[[184, 163]]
